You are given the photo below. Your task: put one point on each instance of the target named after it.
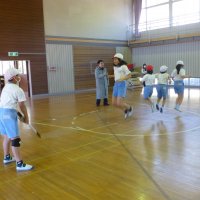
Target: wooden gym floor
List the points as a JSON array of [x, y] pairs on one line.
[[89, 153]]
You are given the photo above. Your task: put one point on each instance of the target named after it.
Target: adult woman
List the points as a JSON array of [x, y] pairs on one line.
[[101, 77]]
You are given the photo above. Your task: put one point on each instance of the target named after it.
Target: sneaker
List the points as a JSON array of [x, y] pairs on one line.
[[178, 109], [125, 114], [130, 111], [8, 160], [24, 167], [161, 110], [157, 106]]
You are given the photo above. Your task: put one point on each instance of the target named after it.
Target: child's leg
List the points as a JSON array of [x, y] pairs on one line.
[[6, 149], [157, 104], [16, 149], [6, 145], [163, 102]]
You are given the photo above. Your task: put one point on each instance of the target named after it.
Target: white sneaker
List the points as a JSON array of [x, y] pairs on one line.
[[7, 161], [125, 114], [24, 167], [178, 109], [130, 112]]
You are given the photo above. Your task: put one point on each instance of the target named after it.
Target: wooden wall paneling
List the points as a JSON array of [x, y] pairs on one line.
[[22, 30], [86, 57]]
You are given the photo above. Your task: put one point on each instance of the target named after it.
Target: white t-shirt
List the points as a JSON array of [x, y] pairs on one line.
[[177, 77], [11, 95], [149, 79], [162, 78], [120, 72]]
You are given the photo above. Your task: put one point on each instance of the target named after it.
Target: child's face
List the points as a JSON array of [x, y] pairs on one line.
[[101, 64], [115, 61]]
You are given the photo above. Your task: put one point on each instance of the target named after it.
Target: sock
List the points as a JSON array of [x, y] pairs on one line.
[[7, 157], [20, 163]]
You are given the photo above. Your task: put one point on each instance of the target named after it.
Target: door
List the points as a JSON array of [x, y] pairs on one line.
[[23, 66]]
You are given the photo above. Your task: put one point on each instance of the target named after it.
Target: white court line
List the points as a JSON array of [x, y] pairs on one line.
[[122, 135], [137, 135]]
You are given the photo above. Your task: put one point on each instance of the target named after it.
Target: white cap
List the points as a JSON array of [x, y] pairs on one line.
[[163, 68], [10, 73], [180, 62], [118, 55]]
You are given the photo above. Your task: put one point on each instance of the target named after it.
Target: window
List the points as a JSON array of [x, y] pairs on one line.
[[185, 12], [154, 2], [157, 14]]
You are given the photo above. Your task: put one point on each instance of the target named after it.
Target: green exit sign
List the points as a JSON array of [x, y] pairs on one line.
[[13, 54]]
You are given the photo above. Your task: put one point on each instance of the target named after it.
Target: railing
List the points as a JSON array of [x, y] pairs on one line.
[[186, 26]]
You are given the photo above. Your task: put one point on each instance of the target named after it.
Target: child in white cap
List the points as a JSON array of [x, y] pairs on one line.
[[178, 76], [162, 87], [121, 74], [148, 81], [11, 97]]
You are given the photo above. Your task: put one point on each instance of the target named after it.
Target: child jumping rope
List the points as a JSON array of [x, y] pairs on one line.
[[121, 74], [148, 81], [162, 87], [178, 75]]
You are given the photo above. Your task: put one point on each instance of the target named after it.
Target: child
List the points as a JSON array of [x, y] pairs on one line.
[[121, 74], [148, 81], [163, 78], [178, 75], [101, 77], [11, 96], [144, 70]]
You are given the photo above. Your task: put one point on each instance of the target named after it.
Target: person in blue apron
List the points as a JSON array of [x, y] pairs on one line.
[[102, 83]]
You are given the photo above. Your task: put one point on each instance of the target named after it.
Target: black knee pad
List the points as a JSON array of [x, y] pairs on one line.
[[16, 142]]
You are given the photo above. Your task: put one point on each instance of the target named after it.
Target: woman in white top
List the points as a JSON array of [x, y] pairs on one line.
[[121, 74], [162, 87], [178, 75]]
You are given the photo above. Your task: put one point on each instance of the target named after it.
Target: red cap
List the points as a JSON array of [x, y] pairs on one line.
[[149, 68]]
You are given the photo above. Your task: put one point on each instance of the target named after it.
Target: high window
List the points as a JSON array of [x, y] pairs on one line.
[[157, 14]]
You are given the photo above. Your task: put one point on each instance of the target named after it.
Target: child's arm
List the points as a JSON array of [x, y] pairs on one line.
[[24, 111], [124, 78], [169, 79], [111, 76]]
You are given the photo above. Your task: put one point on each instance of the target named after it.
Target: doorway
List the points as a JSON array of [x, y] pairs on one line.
[[24, 68]]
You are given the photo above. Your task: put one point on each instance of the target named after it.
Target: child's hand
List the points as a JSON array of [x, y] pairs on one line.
[[110, 76]]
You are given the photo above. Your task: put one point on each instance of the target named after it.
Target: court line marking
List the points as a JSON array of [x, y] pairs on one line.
[[130, 135], [121, 135]]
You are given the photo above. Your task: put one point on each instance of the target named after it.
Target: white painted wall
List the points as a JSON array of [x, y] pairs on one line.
[[105, 19]]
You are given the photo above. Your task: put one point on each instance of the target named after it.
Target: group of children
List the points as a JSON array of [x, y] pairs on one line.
[[122, 73], [13, 96], [177, 75]]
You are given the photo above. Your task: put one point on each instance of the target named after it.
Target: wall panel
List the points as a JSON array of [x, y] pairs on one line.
[[85, 59], [22, 30], [60, 68], [168, 55]]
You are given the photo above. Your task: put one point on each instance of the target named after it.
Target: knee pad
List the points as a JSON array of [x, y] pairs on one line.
[[16, 142]]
